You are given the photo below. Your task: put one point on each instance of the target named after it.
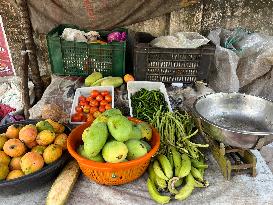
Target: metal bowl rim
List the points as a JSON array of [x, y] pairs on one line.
[[244, 132]]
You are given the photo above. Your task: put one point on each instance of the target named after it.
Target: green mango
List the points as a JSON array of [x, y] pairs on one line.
[[136, 149], [114, 152], [44, 125], [94, 138], [120, 127], [98, 82], [113, 81], [97, 158], [146, 130], [92, 78], [147, 145], [136, 133], [106, 114]]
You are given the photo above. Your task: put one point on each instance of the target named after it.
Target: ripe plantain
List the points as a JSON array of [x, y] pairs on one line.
[[185, 167], [187, 189], [155, 195], [176, 160], [158, 171], [166, 165]]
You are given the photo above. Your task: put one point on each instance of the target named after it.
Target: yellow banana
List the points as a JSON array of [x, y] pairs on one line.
[[152, 174], [162, 184], [166, 165], [158, 170], [196, 174], [197, 164], [155, 195], [176, 160], [186, 191], [185, 167]]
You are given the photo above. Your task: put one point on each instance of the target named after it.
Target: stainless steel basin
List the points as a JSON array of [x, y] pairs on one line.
[[236, 119]]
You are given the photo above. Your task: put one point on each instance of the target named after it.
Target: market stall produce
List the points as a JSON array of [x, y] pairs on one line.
[[31, 153]]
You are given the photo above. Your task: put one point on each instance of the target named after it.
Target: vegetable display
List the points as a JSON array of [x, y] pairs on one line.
[[145, 103], [113, 138], [91, 106], [27, 149], [179, 160], [169, 173]]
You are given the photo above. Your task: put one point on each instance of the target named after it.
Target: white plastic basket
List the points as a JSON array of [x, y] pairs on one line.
[[134, 86], [85, 91]]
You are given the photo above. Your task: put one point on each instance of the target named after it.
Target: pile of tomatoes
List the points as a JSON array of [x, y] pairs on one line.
[[90, 107]]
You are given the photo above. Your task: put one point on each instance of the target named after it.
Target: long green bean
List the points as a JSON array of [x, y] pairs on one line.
[[176, 129]]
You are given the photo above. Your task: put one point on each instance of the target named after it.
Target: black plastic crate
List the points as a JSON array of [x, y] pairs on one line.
[[170, 65]]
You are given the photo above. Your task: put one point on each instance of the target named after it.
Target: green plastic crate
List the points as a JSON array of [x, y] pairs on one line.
[[81, 59]]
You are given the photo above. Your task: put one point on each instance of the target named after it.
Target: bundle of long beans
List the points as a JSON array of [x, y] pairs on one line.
[[175, 130], [179, 162]]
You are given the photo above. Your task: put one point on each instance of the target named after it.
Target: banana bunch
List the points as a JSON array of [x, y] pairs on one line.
[[168, 173]]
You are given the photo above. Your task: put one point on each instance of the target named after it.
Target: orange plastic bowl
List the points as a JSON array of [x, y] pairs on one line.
[[111, 173]]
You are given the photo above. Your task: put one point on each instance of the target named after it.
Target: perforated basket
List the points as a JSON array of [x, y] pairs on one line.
[[171, 65], [81, 59], [111, 173]]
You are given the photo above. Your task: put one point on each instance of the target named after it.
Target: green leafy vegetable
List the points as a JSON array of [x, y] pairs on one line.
[[145, 103]]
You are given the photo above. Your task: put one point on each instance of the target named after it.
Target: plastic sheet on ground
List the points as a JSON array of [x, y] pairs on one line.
[[241, 189]]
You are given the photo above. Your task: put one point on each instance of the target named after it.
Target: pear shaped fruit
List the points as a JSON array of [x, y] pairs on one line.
[[146, 130], [92, 78], [94, 138], [136, 133], [114, 152], [120, 127], [136, 149]]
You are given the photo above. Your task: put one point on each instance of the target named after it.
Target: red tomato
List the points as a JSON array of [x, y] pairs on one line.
[[99, 98], [101, 108], [89, 98], [82, 98], [86, 108], [78, 108], [93, 109], [108, 98], [82, 103], [104, 93], [103, 102], [90, 118], [80, 114], [76, 118], [96, 114], [94, 103], [94, 93], [108, 107]]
